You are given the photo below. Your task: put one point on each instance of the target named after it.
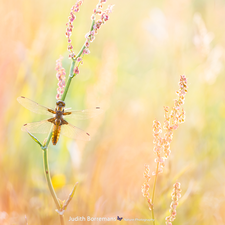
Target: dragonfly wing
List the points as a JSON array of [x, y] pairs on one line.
[[73, 132], [43, 127], [34, 107], [83, 114]]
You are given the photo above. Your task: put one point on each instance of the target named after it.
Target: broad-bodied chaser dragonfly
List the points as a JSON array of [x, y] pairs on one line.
[[60, 125]]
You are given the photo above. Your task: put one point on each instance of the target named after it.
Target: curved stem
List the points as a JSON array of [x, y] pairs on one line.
[[48, 178], [153, 194], [45, 146], [50, 186]]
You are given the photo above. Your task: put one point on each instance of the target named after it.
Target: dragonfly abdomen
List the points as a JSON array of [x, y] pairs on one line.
[[55, 134]]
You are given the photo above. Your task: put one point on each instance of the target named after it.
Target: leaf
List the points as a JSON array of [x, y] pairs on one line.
[[70, 197], [35, 139]]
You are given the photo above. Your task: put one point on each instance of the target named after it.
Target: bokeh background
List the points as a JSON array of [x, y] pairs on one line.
[[132, 72]]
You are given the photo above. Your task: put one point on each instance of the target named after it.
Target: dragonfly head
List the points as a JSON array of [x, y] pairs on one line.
[[60, 105]]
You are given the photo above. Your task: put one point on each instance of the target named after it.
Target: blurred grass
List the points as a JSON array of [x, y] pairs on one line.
[[132, 72]]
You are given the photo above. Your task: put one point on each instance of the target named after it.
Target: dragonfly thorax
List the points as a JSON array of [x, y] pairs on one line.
[[59, 115], [60, 105]]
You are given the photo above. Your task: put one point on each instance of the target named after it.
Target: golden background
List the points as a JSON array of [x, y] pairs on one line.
[[132, 72]]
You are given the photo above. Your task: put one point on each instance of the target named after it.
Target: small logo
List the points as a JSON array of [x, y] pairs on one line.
[[119, 218]]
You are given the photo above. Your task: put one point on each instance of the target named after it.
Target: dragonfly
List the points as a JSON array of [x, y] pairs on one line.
[[56, 122]]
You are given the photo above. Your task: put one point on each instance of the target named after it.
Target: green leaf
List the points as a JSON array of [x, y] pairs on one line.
[[35, 139], [70, 197]]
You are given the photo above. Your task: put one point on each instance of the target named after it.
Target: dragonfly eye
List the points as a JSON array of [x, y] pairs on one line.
[[60, 103]]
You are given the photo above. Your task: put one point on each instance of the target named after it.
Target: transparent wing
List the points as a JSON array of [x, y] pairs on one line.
[[73, 132], [33, 106], [43, 127], [83, 114]]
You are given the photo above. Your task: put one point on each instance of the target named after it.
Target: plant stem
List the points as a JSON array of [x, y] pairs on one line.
[[73, 65], [48, 140], [69, 80], [62, 219], [47, 174], [50, 186], [153, 194], [45, 146]]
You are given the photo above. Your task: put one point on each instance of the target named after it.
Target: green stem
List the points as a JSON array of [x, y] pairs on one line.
[[153, 194], [92, 24], [69, 80], [80, 52], [48, 178], [73, 65], [84, 46], [45, 147], [50, 186], [48, 140]]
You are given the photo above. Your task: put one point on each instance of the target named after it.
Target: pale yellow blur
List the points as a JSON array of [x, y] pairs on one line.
[[131, 73]]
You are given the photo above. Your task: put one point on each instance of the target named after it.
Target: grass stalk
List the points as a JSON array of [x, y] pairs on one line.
[[153, 194]]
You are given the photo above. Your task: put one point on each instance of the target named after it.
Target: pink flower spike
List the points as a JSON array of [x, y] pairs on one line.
[[58, 76], [87, 35], [108, 10], [175, 197], [146, 185], [86, 51], [61, 77], [69, 26], [104, 17], [58, 97], [79, 59], [72, 55], [160, 170], [160, 160], [76, 70], [87, 44]]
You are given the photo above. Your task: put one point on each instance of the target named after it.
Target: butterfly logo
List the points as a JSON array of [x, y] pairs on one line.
[[119, 218]]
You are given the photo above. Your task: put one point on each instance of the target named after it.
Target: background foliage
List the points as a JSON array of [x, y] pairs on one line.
[[132, 72]]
